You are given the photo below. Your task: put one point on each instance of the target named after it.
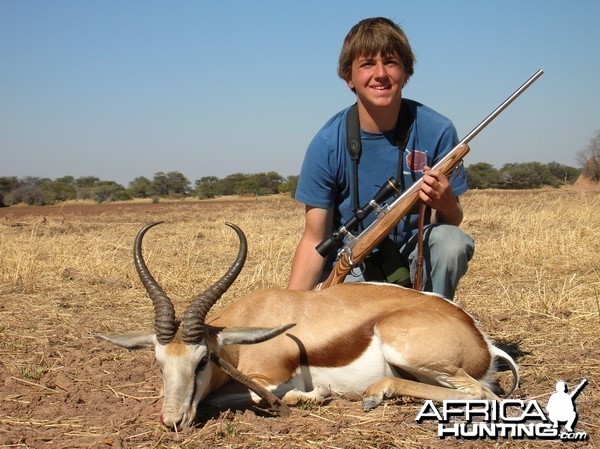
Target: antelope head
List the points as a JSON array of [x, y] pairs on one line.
[[184, 347]]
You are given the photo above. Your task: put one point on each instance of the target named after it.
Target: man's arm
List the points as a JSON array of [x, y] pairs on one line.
[[308, 263]]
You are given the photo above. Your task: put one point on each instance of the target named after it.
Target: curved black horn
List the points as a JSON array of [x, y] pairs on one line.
[[195, 314], [165, 324]]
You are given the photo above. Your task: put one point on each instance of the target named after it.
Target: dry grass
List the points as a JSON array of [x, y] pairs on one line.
[[66, 273]]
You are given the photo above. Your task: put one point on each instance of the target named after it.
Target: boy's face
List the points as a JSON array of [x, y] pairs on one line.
[[377, 80]]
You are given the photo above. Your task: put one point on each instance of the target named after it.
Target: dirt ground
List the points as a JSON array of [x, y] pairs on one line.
[[62, 388]]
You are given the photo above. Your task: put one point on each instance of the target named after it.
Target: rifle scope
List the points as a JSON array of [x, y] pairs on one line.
[[336, 238]]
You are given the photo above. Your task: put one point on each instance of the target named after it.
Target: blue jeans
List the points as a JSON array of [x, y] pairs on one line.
[[447, 251]]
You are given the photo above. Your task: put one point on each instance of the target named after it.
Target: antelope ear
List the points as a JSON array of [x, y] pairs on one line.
[[134, 340], [248, 335]]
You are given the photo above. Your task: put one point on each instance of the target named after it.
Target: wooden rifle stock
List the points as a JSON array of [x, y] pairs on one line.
[[358, 248], [362, 245]]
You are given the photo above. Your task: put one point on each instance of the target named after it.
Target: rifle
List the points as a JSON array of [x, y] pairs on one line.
[[577, 390], [358, 247]]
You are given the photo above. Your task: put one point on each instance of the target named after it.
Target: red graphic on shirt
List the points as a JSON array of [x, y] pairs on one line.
[[416, 161]]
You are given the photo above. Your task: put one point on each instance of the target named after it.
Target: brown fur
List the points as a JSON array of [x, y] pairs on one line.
[[176, 348], [335, 326]]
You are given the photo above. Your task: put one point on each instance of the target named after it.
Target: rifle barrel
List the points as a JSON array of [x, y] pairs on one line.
[[577, 390], [501, 108]]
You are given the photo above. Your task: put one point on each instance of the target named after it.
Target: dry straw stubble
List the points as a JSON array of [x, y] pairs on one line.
[[67, 273]]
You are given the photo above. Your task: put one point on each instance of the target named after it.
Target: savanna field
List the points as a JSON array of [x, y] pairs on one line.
[[66, 273]]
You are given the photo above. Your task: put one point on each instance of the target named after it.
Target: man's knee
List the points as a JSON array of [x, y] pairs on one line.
[[450, 242]]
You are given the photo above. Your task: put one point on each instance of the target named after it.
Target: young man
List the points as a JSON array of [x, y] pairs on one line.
[[376, 62]]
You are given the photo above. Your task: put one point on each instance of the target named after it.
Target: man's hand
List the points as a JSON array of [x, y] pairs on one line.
[[437, 194]]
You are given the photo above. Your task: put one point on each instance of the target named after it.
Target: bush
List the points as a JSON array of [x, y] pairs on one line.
[[28, 194]]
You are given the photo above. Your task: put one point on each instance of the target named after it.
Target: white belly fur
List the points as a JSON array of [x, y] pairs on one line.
[[350, 380]]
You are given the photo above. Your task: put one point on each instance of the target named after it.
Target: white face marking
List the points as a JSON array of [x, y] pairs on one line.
[[185, 378]]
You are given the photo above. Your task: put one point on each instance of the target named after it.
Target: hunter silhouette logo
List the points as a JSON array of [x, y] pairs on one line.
[[561, 405], [508, 418]]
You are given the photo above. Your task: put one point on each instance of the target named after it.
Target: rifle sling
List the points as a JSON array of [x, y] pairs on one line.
[[424, 211]]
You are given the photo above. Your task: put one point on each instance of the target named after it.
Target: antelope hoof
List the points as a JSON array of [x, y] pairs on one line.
[[370, 402]]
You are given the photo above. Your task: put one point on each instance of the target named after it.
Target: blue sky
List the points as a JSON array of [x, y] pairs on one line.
[[120, 89]]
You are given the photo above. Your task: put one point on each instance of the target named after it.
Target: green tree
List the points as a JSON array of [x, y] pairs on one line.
[[207, 187], [250, 185], [140, 187], [109, 191], [179, 185], [173, 184], [87, 181], [57, 191], [289, 185], [563, 173], [230, 185], [482, 176], [34, 180], [268, 183], [7, 185], [160, 185], [527, 175], [68, 180], [30, 194]]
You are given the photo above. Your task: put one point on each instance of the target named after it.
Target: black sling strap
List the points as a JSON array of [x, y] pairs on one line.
[[353, 144], [354, 149]]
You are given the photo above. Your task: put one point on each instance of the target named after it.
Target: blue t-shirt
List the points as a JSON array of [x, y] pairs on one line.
[[325, 177]]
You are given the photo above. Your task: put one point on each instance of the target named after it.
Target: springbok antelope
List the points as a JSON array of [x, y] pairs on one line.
[[366, 340]]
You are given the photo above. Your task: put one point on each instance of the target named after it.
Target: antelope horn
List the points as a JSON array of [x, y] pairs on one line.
[[195, 314], [165, 324]]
